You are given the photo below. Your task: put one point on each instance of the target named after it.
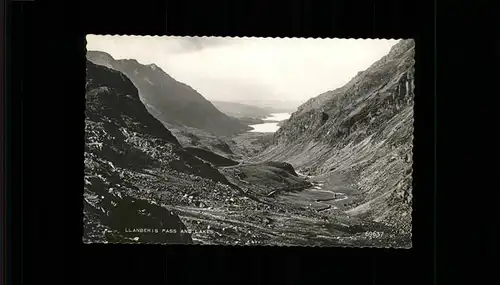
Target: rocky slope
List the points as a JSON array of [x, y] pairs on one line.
[[238, 148], [173, 103], [192, 137], [133, 165], [364, 130]]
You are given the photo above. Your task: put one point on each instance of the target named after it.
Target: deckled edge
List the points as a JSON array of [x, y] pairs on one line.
[[85, 242], [415, 88], [248, 246], [84, 90], [242, 37]]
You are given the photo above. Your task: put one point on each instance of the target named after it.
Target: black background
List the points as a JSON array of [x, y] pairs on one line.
[[47, 57]]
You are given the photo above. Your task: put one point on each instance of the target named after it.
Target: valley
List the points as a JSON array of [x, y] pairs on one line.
[[336, 171]]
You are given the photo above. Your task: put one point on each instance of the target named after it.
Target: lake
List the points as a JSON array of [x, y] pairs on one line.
[[270, 127]]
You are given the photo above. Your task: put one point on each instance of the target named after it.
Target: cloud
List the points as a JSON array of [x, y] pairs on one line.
[[249, 68]]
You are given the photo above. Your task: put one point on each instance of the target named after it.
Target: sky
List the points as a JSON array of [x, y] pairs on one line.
[[235, 69]]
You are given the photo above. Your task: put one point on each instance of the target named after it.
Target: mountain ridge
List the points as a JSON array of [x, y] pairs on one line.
[[363, 128], [172, 102]]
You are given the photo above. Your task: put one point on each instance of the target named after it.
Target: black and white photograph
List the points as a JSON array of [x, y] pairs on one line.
[[249, 141]]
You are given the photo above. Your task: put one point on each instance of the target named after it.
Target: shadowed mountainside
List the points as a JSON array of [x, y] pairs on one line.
[[272, 105], [363, 129], [129, 155], [172, 102]]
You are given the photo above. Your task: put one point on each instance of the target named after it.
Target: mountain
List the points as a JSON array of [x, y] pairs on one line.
[[273, 106], [173, 103], [363, 132], [239, 110], [133, 164], [138, 179]]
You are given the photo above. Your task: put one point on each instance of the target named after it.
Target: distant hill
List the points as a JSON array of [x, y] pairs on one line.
[[273, 106], [172, 102], [239, 110]]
